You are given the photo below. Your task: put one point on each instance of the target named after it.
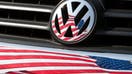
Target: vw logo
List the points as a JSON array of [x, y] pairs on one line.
[[72, 20]]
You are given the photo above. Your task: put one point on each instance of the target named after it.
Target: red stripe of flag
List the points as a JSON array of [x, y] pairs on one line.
[[40, 64], [66, 39], [66, 71], [55, 31], [41, 57], [66, 25]]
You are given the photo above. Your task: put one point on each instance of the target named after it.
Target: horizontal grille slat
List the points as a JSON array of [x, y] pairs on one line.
[[112, 22], [26, 7], [23, 24], [118, 13], [23, 15], [39, 2], [119, 4], [115, 32]]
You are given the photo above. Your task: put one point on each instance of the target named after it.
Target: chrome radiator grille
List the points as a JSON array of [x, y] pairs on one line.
[[25, 14], [119, 12]]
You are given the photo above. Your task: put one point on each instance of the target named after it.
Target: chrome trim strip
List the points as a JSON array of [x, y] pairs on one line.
[[26, 7], [23, 25]]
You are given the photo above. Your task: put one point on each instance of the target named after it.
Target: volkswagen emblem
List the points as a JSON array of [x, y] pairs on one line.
[[72, 21]]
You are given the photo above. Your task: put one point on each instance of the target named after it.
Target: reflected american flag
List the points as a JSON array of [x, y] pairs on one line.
[[33, 61]]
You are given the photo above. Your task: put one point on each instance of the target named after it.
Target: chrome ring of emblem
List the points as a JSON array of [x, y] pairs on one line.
[[79, 30]]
